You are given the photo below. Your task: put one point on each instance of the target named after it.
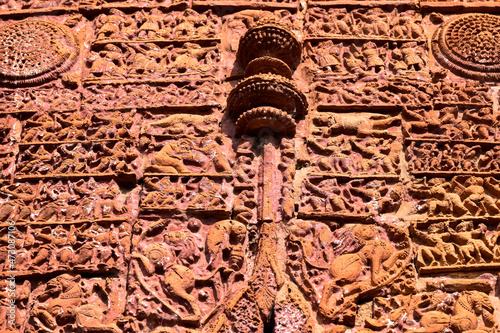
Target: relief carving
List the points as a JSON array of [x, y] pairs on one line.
[[189, 155], [21, 298], [364, 22], [443, 158], [29, 101], [472, 311], [85, 247], [360, 261], [362, 199], [444, 247], [182, 125], [89, 305], [193, 194], [451, 123], [169, 261], [355, 145], [469, 94], [458, 44], [457, 197], [37, 5], [368, 59], [46, 49], [86, 158], [181, 166], [156, 25], [192, 95], [138, 60], [375, 96], [467, 311], [59, 201]]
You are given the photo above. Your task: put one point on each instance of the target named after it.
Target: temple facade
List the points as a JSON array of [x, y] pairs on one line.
[[270, 166]]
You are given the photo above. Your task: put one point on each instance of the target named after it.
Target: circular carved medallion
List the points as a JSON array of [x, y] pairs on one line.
[[34, 51], [469, 45]]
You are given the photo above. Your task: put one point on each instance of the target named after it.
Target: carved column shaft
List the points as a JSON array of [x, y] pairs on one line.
[[268, 181]]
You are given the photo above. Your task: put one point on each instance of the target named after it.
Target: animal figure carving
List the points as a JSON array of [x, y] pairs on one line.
[[386, 263], [182, 124], [469, 307]]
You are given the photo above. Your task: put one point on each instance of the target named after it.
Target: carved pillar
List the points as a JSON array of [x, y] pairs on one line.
[[266, 104]]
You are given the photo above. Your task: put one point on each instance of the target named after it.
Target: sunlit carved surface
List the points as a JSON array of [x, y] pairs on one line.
[[320, 166], [35, 50], [470, 43]]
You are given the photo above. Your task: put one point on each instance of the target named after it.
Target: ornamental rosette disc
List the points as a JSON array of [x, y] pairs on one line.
[[34, 51], [469, 45]]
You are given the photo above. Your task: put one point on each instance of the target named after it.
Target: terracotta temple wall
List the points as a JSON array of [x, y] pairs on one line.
[[249, 166]]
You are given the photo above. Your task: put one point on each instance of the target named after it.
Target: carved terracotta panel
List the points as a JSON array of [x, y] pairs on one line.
[[320, 166]]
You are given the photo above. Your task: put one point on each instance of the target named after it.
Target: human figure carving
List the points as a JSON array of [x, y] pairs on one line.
[[170, 158], [178, 280], [472, 248], [210, 195], [384, 262], [437, 250]]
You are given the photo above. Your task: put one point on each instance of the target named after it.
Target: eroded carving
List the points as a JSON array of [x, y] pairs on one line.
[[364, 22], [194, 194], [58, 201], [86, 158], [362, 198], [141, 96], [136, 60], [157, 25], [46, 49], [459, 44], [31, 101], [374, 95]]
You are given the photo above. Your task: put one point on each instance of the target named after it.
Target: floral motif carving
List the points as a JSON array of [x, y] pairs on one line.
[[34, 51], [468, 45]]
